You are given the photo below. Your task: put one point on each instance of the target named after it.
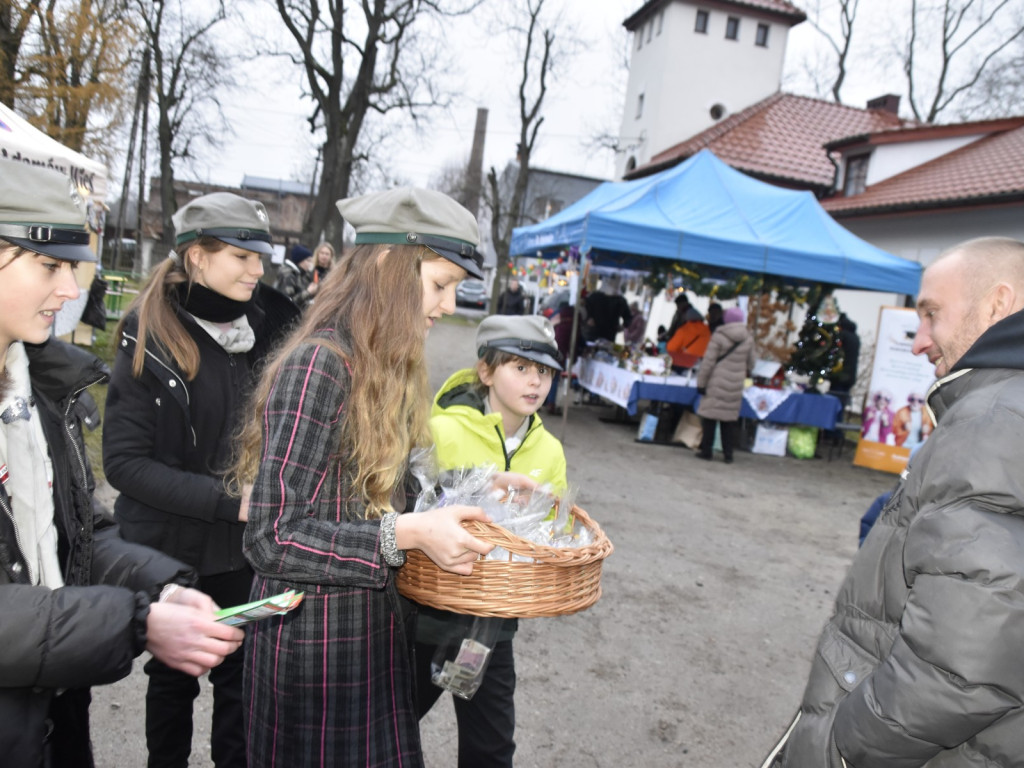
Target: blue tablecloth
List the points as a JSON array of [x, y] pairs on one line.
[[799, 408], [628, 389]]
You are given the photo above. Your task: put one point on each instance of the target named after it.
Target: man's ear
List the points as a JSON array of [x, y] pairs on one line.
[[1002, 302]]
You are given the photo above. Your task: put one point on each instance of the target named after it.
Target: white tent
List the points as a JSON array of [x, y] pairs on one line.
[[20, 141]]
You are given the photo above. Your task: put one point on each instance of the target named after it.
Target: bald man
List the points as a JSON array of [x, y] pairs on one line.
[[922, 663]]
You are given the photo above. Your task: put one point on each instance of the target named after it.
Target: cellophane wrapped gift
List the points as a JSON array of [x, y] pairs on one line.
[[536, 515]]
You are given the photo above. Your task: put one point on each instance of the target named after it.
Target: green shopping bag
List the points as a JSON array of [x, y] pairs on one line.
[[802, 442]]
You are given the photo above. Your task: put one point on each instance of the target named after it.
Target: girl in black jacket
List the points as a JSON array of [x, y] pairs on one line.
[[187, 352], [77, 601]]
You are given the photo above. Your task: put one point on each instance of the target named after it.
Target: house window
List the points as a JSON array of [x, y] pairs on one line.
[[856, 175], [732, 28], [639, 106], [762, 36], [544, 206], [701, 27]]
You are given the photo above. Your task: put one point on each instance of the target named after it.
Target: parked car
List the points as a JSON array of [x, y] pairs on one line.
[[471, 293], [550, 304]]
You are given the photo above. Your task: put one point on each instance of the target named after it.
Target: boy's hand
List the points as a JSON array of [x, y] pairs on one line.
[[504, 480]]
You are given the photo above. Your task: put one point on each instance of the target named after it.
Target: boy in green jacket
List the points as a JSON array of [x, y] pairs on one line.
[[488, 415]]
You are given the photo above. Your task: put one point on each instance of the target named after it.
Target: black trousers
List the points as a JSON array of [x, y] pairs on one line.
[[171, 693], [730, 434], [487, 722]]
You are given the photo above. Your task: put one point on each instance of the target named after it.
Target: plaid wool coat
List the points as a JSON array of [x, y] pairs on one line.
[[329, 684]]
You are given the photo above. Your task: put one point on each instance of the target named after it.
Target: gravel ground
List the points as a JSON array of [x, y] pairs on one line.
[[697, 652]]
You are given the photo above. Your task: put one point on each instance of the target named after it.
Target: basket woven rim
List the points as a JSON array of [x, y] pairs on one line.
[[493, 533], [557, 580]]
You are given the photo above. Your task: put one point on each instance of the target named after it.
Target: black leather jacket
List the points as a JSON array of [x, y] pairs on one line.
[[89, 631]]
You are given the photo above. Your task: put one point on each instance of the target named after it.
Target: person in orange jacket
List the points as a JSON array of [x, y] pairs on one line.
[[689, 342]]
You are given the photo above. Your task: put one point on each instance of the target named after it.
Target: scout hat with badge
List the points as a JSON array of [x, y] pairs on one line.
[[226, 217], [42, 211], [528, 336], [412, 216]]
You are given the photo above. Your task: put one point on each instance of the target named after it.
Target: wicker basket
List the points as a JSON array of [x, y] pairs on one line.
[[559, 581]]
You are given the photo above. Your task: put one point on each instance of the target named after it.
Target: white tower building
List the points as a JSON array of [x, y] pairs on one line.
[[695, 62]]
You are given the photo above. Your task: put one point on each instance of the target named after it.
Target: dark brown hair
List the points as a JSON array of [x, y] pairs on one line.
[[158, 320]]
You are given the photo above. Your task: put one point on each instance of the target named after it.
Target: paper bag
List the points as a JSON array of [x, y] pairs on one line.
[[688, 430], [770, 440]]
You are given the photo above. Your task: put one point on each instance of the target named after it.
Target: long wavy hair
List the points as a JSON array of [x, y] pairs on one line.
[[373, 301], [158, 320]]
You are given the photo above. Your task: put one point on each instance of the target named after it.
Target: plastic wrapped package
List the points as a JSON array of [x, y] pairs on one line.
[[460, 661], [536, 515]]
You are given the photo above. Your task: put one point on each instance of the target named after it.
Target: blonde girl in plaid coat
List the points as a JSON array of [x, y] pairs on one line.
[[337, 413]]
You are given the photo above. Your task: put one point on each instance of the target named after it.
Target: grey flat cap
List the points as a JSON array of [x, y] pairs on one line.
[[227, 217], [41, 211], [528, 336], [412, 216]]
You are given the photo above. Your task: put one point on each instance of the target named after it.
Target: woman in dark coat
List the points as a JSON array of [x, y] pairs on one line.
[[727, 362], [78, 602], [188, 352]]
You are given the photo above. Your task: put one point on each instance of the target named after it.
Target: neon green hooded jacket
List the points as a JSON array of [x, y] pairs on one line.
[[464, 436]]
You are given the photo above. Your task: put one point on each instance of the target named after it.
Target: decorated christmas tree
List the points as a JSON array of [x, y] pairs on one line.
[[818, 352]]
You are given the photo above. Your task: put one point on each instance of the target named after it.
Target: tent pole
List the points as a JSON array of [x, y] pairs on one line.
[[572, 347]]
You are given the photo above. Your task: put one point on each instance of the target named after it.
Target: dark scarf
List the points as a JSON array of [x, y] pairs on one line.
[[199, 301]]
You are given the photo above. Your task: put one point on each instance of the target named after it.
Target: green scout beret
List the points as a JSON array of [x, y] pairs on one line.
[[528, 336], [411, 216], [42, 211], [226, 217]]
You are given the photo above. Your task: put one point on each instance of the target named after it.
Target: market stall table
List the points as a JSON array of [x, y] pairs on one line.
[[626, 389]]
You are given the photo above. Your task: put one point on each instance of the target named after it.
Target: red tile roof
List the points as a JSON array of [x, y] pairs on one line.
[[775, 7], [926, 132], [989, 170], [780, 139]]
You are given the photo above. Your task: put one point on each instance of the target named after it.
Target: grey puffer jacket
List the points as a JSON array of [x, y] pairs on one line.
[[722, 372], [923, 662]]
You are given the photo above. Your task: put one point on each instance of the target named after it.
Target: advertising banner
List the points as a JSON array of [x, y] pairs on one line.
[[895, 419]]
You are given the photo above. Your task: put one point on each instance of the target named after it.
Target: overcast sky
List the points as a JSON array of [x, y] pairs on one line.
[[272, 137]]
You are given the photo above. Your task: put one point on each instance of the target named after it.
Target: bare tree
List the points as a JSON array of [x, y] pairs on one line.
[[359, 59], [452, 179], [15, 20], [77, 75], [839, 43], [537, 40], [189, 74], [972, 36], [605, 133], [1000, 90]]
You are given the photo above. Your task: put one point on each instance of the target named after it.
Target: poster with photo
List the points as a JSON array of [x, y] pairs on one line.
[[895, 419]]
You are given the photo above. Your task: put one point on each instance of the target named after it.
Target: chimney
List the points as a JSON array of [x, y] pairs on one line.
[[474, 170], [888, 103]]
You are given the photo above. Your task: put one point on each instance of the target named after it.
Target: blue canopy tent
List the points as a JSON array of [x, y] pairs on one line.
[[706, 212]]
